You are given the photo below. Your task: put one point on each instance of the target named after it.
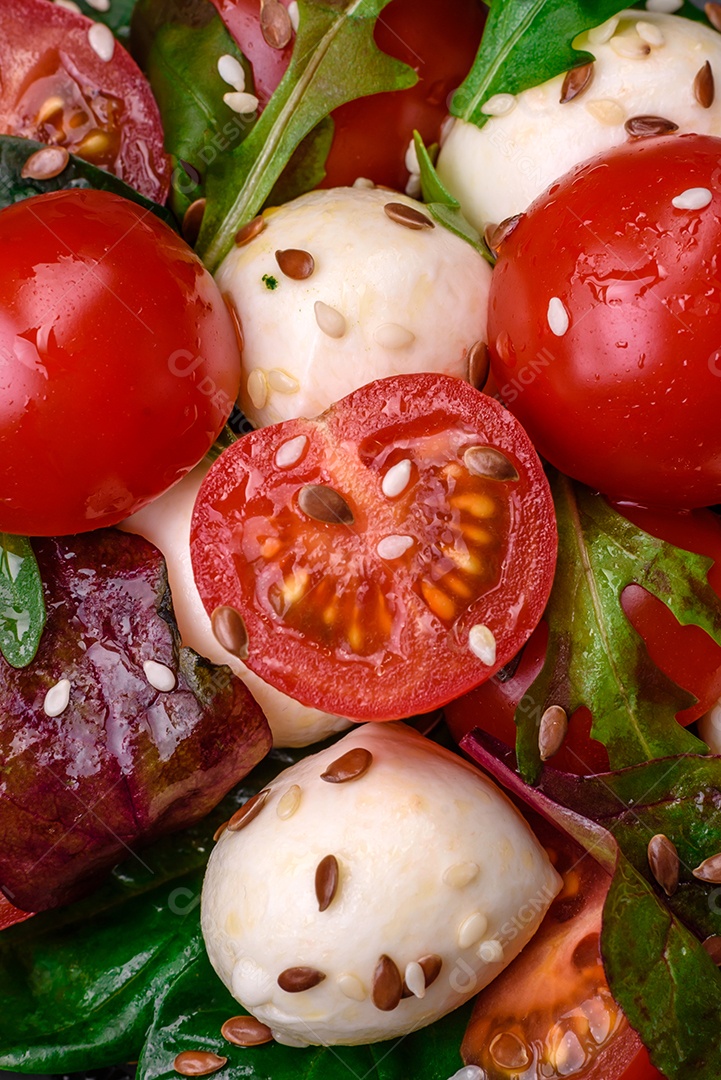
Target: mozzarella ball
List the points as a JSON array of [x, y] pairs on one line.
[[361, 909], [166, 524], [359, 296], [647, 64]]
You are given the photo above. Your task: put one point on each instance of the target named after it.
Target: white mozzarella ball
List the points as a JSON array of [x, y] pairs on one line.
[[381, 299], [438, 883], [646, 65], [709, 728], [166, 523]]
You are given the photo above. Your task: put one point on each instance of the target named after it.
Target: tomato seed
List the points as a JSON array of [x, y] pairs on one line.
[[46, 163], [325, 504], [490, 463], [482, 644], [509, 1052]]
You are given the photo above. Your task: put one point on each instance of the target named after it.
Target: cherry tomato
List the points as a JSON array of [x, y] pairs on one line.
[[604, 322], [119, 362], [58, 89], [385, 556], [9, 915], [372, 134], [550, 1015]]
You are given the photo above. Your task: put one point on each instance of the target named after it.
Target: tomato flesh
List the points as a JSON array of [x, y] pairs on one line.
[[367, 606]]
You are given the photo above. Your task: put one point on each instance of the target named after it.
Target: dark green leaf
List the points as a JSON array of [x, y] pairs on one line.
[[22, 606], [14, 152], [525, 43], [442, 205], [335, 59], [306, 168], [594, 656], [117, 17]]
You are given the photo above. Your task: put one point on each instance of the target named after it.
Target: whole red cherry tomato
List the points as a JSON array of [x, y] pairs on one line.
[[605, 322], [372, 134], [119, 362]]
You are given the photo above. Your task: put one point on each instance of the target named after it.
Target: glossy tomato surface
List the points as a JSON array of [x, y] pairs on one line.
[[550, 1015], [58, 89], [372, 134], [118, 361], [605, 322], [385, 556]]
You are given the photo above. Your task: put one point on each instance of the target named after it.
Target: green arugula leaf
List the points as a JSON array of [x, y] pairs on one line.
[[117, 17], [22, 605], [15, 151], [594, 657], [335, 60], [525, 43], [442, 205]]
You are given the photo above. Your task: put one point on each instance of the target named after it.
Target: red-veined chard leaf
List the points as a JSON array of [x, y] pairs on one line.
[[22, 606], [594, 656]]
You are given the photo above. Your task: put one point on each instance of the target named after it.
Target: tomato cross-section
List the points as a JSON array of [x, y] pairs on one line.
[[386, 556]]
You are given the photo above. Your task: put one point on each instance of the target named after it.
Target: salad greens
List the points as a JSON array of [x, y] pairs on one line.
[[22, 605], [443, 206]]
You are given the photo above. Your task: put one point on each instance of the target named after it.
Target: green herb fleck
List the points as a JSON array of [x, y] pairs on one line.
[[270, 282]]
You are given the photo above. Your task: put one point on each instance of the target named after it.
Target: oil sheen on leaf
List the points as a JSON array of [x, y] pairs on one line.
[[22, 606]]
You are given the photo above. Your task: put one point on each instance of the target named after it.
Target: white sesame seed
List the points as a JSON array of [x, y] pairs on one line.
[[557, 316], [392, 336], [472, 930], [159, 676], [329, 319], [491, 952], [290, 452], [499, 105], [650, 33], [294, 14], [603, 33], [446, 128], [289, 802], [482, 644], [392, 547], [630, 46], [414, 188], [396, 480], [102, 41], [460, 874], [415, 979], [241, 102], [666, 7], [257, 388], [57, 698], [411, 160], [69, 6], [99, 5], [282, 382], [468, 1072], [363, 182], [694, 198], [351, 987], [231, 71], [606, 111]]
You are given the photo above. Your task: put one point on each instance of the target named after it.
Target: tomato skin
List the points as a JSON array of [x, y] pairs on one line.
[[118, 361], [9, 915], [107, 113], [627, 398], [372, 134], [333, 621]]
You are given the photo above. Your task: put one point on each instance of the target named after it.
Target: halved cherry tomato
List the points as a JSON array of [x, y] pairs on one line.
[[58, 89], [9, 915], [386, 556], [550, 1015], [372, 134]]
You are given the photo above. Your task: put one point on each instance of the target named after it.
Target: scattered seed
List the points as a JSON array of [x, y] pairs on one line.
[[250, 231], [294, 14], [363, 182], [230, 631], [249, 811], [509, 1052], [502, 232], [297, 979], [577, 80], [472, 930], [69, 5], [606, 111], [392, 547], [159, 676], [325, 504], [664, 862], [712, 945], [491, 952], [387, 985], [482, 644], [241, 102], [46, 163], [351, 987], [295, 263], [99, 5], [396, 480], [703, 86], [460, 874], [289, 802], [246, 1031], [431, 967], [408, 216], [713, 14], [414, 981], [666, 7], [692, 199], [599, 35], [291, 451], [102, 41], [490, 463], [49, 108], [709, 870], [281, 381], [557, 315], [275, 24], [198, 1063], [499, 105], [642, 127], [326, 881], [93, 145], [479, 365], [57, 698], [411, 159], [630, 46], [469, 1072], [552, 731], [192, 220], [650, 33], [257, 387], [231, 72], [350, 766], [393, 336], [219, 831], [330, 321]]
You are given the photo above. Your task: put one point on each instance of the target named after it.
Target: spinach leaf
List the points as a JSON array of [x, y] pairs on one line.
[[22, 605]]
